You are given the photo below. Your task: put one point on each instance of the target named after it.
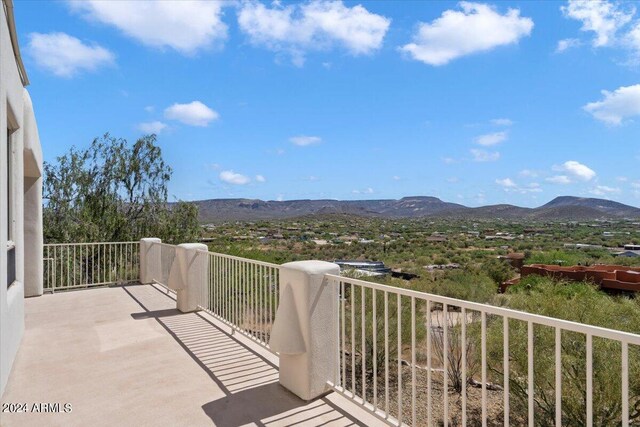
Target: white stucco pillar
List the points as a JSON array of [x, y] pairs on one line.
[[188, 275], [32, 202], [305, 330], [33, 240], [150, 260]]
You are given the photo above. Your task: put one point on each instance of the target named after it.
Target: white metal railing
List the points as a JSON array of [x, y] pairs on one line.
[[532, 369], [242, 293], [409, 357], [77, 265]]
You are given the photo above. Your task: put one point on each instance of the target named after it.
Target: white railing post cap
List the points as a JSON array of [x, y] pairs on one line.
[[151, 240], [313, 267], [193, 246]]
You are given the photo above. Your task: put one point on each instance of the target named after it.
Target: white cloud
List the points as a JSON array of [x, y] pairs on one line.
[[559, 179], [576, 170], [304, 140], [612, 23], [603, 190], [231, 177], [395, 178], [506, 182], [65, 55], [571, 171], [476, 28], [152, 127], [185, 26], [502, 122], [317, 25], [566, 44], [260, 178], [367, 190], [633, 38], [150, 108], [601, 17], [484, 156], [449, 160], [491, 138], [510, 186], [616, 106], [527, 173], [194, 113]]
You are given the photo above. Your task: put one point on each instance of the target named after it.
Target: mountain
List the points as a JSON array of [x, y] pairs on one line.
[[560, 208], [607, 206]]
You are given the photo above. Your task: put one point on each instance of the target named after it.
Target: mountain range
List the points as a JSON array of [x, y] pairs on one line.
[[560, 208]]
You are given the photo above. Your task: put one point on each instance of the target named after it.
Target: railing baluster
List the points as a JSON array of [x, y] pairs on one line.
[[343, 301], [413, 361], [263, 303], [445, 363], [463, 343], [483, 350], [386, 354], [399, 333], [374, 354], [363, 328], [271, 291], [589, 373], [530, 372], [558, 373], [625, 384], [505, 364], [353, 341], [429, 351], [227, 288]]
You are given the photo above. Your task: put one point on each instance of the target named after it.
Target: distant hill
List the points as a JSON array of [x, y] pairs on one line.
[[560, 208], [615, 208]]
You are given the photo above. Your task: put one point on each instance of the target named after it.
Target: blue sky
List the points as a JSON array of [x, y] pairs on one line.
[[475, 103]]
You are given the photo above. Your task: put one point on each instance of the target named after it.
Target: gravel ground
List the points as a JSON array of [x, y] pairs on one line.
[[474, 399]]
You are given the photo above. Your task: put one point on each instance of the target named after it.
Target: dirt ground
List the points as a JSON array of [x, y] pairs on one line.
[[474, 399]]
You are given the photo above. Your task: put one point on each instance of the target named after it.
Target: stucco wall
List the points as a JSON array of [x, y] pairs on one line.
[[15, 101]]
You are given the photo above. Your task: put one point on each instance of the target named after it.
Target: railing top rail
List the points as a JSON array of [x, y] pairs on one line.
[[90, 243], [597, 331], [237, 258]]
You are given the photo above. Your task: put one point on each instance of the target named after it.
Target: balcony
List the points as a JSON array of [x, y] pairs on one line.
[[124, 355], [213, 339]]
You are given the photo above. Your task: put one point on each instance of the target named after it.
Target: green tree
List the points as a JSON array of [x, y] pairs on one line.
[[113, 191]]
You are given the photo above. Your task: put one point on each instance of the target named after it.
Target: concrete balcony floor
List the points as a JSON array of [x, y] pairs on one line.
[[124, 356]]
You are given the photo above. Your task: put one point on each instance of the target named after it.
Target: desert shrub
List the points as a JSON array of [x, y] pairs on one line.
[[461, 284], [359, 307], [579, 302], [559, 257]]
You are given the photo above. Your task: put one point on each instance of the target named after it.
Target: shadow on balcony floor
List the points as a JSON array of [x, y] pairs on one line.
[[125, 356]]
